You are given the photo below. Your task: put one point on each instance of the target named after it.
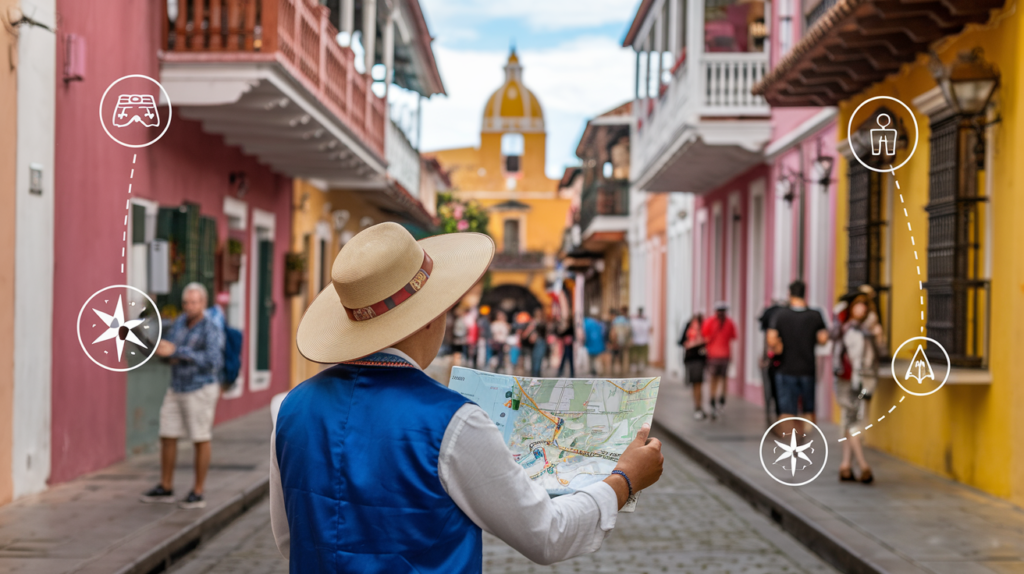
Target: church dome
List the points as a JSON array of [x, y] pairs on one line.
[[513, 107]]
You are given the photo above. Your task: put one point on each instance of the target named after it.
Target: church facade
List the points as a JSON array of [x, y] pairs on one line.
[[505, 175]]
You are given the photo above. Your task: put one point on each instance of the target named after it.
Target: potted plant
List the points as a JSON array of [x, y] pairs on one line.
[[294, 273], [232, 260]]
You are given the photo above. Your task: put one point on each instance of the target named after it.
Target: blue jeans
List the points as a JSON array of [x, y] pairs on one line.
[[567, 352], [792, 389], [540, 348]]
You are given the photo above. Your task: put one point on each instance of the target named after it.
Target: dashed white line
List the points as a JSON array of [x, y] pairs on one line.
[[880, 418], [134, 155], [901, 398], [892, 409]]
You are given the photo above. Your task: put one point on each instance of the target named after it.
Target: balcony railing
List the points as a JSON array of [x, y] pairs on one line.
[[403, 160], [297, 34], [719, 86], [728, 79], [524, 260], [605, 198]]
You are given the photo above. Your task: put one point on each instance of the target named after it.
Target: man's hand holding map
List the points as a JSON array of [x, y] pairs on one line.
[[565, 433]]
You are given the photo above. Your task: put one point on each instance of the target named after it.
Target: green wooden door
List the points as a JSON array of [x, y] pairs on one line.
[[265, 304]]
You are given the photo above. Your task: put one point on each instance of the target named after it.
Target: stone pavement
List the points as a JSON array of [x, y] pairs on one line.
[[687, 523], [909, 520], [96, 524]]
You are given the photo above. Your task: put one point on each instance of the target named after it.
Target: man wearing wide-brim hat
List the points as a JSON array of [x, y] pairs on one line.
[[376, 467]]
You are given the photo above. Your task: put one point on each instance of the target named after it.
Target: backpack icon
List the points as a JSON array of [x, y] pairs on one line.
[[232, 357]]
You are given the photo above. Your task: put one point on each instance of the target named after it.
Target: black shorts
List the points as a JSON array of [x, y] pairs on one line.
[[718, 367], [694, 372]]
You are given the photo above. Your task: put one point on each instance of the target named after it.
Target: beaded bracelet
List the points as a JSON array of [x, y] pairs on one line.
[[628, 483]]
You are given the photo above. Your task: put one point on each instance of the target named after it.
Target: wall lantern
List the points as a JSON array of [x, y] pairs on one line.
[[823, 167], [784, 188], [968, 85]]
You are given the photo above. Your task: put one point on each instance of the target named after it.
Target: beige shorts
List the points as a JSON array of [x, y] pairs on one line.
[[189, 414]]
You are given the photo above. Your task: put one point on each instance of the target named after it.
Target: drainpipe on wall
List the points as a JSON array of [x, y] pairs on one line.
[[803, 224]]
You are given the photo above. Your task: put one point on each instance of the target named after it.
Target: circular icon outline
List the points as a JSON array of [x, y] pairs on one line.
[[849, 133], [949, 366], [824, 441], [159, 329], [170, 111]]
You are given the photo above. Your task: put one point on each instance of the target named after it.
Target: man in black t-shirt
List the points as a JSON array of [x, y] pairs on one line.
[[796, 330]]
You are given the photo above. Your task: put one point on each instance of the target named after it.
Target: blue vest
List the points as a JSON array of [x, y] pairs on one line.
[[358, 447]]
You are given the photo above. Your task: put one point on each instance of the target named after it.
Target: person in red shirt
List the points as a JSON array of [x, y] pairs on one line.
[[718, 332]]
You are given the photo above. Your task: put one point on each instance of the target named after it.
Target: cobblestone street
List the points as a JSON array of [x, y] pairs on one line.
[[688, 522]]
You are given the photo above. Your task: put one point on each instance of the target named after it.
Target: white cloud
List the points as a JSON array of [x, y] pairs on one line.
[[574, 81], [539, 15]]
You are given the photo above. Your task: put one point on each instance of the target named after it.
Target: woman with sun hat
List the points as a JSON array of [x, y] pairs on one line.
[[376, 467]]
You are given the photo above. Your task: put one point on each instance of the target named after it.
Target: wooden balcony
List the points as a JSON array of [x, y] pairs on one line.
[[258, 71], [604, 209]]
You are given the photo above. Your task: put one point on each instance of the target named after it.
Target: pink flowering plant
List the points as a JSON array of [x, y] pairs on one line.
[[456, 215]]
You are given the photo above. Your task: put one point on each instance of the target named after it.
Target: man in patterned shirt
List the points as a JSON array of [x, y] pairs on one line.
[[194, 346]]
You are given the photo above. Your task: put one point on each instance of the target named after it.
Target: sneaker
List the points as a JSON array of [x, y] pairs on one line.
[[699, 415], [721, 405], [158, 494], [714, 411], [193, 501]]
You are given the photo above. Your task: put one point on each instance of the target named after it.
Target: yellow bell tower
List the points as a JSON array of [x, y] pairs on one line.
[[506, 176]]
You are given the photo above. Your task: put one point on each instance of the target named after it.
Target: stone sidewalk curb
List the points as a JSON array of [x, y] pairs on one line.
[[836, 544], [161, 557]]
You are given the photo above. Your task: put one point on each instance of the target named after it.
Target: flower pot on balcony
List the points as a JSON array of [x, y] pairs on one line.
[[294, 273], [232, 261], [292, 282]]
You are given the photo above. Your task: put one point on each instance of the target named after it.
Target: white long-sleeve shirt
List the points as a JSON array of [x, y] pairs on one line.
[[478, 473]]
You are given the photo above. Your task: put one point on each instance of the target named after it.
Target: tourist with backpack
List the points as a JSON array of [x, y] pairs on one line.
[[858, 336], [194, 346]]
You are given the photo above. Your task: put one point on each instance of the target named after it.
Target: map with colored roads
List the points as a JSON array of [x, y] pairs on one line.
[[565, 433]]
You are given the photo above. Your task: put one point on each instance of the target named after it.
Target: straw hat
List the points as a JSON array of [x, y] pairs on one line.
[[385, 286]]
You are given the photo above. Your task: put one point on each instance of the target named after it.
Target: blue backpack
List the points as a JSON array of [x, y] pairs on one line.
[[232, 357]]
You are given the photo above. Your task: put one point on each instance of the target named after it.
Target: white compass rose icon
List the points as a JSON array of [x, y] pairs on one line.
[[118, 329], [793, 452], [799, 456], [125, 316]]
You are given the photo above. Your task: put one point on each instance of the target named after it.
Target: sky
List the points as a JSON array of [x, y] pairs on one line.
[[572, 61]]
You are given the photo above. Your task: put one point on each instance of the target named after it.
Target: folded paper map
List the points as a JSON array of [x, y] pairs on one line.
[[565, 433]]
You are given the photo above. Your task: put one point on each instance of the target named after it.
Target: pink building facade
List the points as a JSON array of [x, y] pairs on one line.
[[92, 408], [752, 197]]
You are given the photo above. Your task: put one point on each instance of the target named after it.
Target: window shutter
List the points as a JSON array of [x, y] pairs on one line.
[[265, 304], [208, 255]]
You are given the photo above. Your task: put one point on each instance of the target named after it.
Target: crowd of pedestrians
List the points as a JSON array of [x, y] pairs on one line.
[[521, 342], [794, 333]]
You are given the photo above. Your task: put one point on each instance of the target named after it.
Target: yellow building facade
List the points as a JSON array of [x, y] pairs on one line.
[[972, 430], [322, 222], [505, 175]]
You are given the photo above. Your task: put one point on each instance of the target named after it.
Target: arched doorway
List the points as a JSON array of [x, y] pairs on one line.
[[510, 299]]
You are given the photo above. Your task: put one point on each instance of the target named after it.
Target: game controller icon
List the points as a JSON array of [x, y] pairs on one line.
[[136, 108]]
